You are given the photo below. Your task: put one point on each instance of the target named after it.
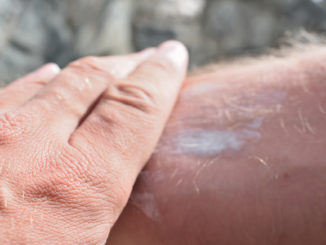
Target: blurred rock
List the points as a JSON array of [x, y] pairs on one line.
[[60, 31], [156, 21], [34, 32], [238, 26]]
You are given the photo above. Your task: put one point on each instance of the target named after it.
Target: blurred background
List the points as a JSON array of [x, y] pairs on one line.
[[34, 32]]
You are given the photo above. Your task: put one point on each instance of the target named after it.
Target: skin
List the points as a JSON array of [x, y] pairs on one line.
[[73, 141], [241, 161]]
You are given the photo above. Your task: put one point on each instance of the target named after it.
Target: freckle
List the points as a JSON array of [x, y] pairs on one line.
[[286, 176]]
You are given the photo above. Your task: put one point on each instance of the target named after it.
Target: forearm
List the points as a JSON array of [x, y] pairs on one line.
[[241, 160]]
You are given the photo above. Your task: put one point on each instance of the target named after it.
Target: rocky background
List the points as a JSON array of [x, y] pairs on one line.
[[34, 32]]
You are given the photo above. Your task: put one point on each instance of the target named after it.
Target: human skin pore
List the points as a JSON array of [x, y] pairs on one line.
[[73, 141], [241, 161]]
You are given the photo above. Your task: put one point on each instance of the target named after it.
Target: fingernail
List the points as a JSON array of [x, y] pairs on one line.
[[52, 67], [175, 52], [48, 68]]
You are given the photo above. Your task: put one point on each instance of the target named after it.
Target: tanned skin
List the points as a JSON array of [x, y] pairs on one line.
[[73, 141], [241, 161]]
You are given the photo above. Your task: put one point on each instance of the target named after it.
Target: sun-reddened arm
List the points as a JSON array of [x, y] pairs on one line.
[[242, 159]]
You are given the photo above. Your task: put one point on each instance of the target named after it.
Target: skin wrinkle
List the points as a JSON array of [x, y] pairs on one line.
[[59, 196]]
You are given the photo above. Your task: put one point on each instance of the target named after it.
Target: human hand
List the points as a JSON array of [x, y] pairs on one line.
[[74, 141]]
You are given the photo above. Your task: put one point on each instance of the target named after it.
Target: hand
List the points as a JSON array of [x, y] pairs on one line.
[[74, 141]]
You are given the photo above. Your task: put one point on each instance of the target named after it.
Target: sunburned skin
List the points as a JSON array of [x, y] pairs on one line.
[[69, 138], [241, 160], [204, 139]]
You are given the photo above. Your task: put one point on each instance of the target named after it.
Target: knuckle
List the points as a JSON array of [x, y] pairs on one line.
[[88, 72], [92, 63], [137, 96], [71, 176], [62, 96], [47, 188], [131, 96], [60, 180], [138, 91]]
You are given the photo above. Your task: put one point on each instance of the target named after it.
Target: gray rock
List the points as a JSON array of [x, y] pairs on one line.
[[60, 31], [238, 26], [34, 32]]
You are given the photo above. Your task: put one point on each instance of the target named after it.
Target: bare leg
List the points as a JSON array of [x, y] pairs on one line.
[[242, 160]]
